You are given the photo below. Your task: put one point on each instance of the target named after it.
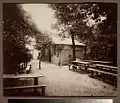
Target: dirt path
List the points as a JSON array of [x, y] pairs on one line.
[[61, 81]]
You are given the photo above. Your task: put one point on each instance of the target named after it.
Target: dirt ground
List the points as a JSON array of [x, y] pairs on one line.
[[61, 81]]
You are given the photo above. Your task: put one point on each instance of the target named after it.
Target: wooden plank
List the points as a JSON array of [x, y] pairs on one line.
[[80, 62], [103, 62], [22, 87], [106, 66], [26, 87], [32, 75], [95, 70]]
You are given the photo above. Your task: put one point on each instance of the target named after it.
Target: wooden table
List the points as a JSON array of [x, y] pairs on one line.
[[106, 68], [35, 76], [101, 62], [80, 63]]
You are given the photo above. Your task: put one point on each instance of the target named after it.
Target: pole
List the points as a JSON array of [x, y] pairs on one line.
[[39, 60]]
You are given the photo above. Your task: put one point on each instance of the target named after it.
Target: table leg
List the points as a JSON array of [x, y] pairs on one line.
[[35, 83], [73, 67], [69, 66], [103, 77], [96, 73], [91, 73], [86, 67]]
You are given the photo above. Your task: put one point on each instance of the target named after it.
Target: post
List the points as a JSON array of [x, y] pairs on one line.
[[35, 83], [39, 64], [39, 60]]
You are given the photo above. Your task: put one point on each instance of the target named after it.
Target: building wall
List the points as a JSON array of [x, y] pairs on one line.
[[62, 56], [54, 55], [35, 54], [45, 55]]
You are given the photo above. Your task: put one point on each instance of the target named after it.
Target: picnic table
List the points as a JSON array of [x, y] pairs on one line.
[[103, 69], [106, 68], [35, 77], [78, 64], [101, 62]]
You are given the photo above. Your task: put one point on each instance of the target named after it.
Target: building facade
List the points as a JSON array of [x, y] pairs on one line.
[[60, 51]]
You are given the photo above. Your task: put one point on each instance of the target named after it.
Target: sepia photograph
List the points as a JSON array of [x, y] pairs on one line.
[[60, 50]]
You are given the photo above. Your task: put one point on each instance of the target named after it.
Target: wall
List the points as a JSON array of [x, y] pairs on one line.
[[62, 56], [35, 54]]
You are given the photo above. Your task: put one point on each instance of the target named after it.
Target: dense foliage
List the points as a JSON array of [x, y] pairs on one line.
[[43, 41], [93, 24], [17, 29]]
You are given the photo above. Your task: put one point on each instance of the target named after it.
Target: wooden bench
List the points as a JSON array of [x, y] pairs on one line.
[[75, 67], [80, 65], [100, 71], [104, 73], [20, 88]]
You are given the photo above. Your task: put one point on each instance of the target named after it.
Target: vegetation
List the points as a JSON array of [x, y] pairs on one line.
[[93, 24], [17, 29], [42, 41]]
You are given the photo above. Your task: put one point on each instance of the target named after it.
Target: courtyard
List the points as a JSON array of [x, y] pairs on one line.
[[60, 81]]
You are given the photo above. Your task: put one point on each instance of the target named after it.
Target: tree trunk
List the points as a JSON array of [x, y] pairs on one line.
[[49, 54], [39, 60], [73, 47], [39, 64], [85, 53]]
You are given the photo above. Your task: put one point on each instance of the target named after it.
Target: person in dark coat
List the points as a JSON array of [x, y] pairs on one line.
[[70, 59]]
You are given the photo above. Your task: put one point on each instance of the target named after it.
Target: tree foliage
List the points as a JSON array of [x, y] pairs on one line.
[[104, 40], [70, 20], [17, 28], [94, 24], [43, 41]]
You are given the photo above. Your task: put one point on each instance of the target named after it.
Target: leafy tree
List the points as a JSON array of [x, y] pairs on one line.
[[105, 30], [94, 24], [42, 41], [70, 20], [17, 29]]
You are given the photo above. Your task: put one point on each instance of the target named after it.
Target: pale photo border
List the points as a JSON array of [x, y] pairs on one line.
[[115, 99]]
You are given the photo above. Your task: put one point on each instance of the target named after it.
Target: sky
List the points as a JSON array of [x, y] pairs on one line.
[[42, 16]]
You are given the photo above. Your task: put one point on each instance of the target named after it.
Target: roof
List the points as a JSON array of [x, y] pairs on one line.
[[66, 41]]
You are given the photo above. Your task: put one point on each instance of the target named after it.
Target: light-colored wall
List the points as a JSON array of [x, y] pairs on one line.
[[55, 59], [63, 56], [35, 54]]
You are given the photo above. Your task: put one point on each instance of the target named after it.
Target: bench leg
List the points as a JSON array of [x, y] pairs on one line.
[[73, 68], [35, 90], [43, 91], [96, 73], [92, 73], [86, 68], [69, 66], [35, 83], [103, 77], [20, 90]]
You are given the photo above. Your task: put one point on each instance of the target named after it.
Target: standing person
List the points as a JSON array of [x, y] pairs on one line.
[[70, 59], [39, 57]]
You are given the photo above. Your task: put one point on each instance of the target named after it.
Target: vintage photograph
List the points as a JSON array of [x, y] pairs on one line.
[[60, 50], [60, 101]]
